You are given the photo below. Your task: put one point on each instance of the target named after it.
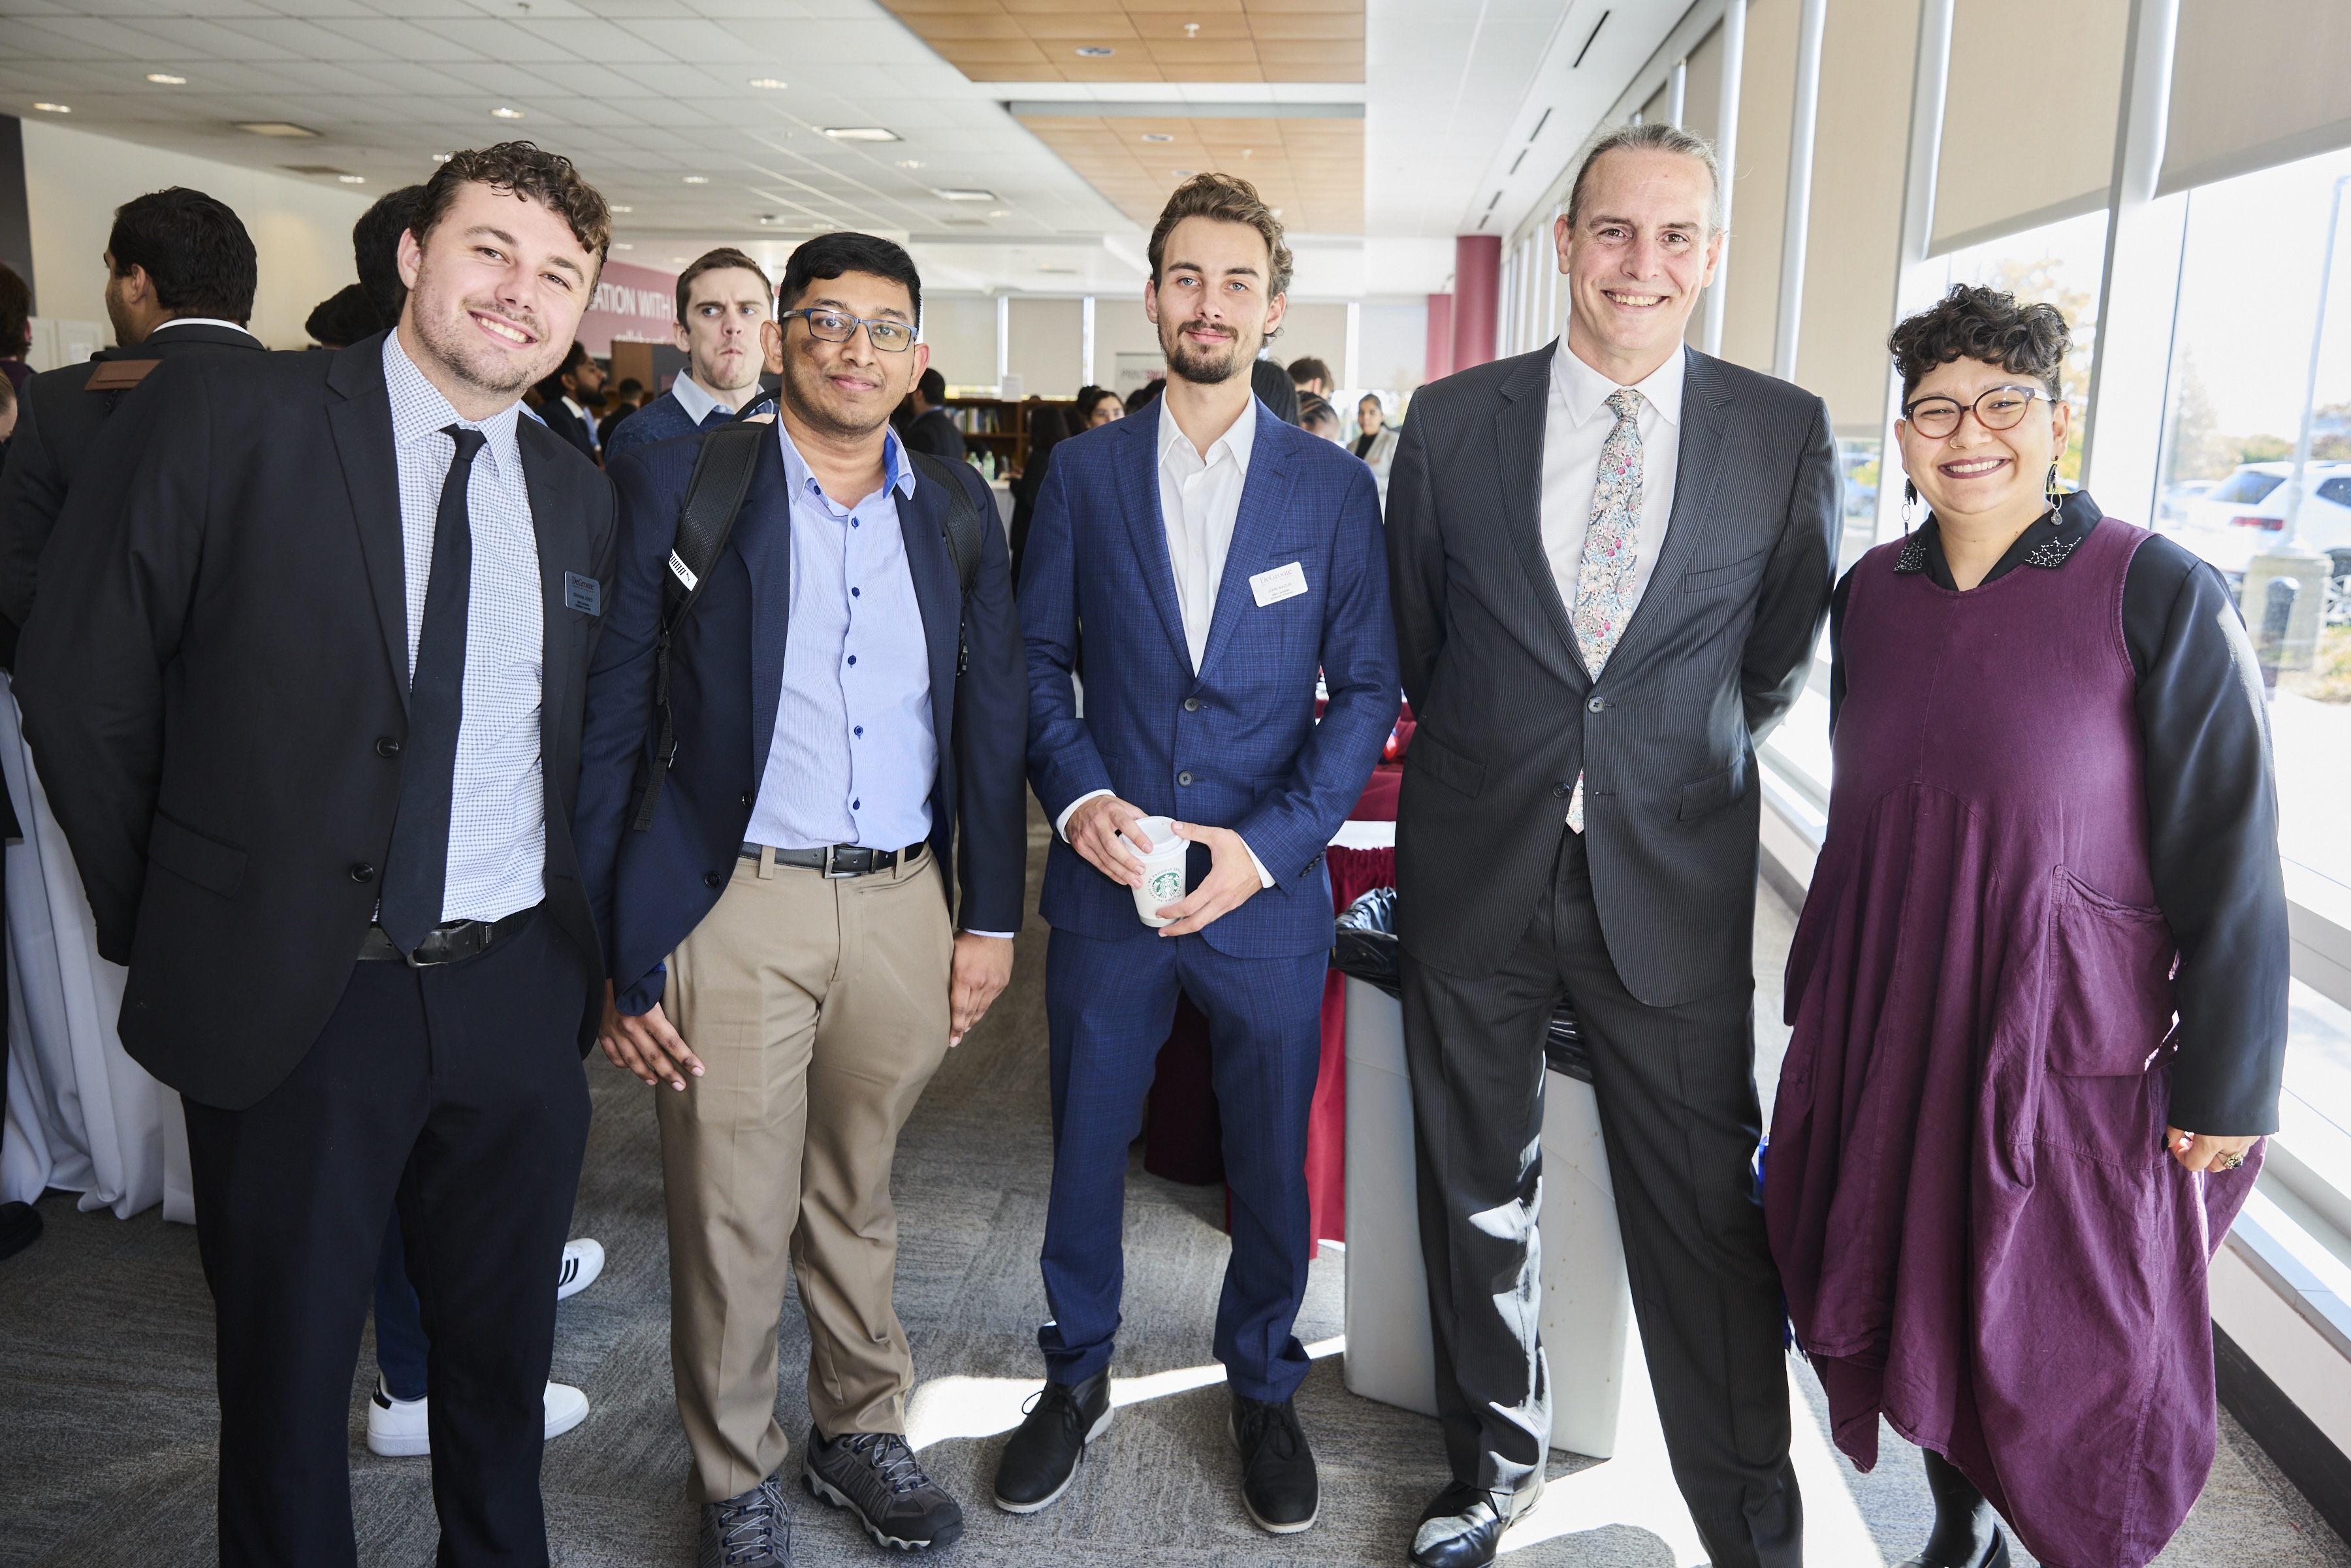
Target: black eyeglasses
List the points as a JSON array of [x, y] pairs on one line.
[[2001, 408], [835, 327]]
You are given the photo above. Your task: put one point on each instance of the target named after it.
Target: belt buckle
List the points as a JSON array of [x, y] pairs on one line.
[[831, 854]]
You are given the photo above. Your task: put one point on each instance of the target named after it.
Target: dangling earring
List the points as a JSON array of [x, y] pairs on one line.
[[2056, 498], [1910, 504]]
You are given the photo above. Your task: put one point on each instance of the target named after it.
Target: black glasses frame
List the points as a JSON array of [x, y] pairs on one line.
[[810, 314], [1910, 410]]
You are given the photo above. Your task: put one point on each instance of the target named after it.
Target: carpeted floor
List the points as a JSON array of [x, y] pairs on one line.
[[106, 1415]]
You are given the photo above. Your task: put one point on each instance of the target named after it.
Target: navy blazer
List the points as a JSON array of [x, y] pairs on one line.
[[650, 890], [1235, 744]]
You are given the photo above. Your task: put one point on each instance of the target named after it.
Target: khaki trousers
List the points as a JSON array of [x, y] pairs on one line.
[[819, 1011]]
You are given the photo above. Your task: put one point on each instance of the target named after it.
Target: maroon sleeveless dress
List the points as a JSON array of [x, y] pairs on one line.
[[1980, 1232]]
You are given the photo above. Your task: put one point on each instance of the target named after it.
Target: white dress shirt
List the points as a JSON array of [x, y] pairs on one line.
[[698, 400], [498, 805], [1575, 427], [1199, 502], [201, 321]]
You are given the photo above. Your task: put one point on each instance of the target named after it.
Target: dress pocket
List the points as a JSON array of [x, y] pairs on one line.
[[2110, 982]]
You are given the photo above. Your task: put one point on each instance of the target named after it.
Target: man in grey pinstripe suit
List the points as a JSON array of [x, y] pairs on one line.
[[1609, 560]]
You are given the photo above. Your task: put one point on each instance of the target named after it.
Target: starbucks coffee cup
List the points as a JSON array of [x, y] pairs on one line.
[[1163, 869]]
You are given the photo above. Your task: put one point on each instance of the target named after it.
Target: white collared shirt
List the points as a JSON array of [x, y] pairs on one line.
[[698, 400], [497, 806], [1199, 501], [1575, 427], [201, 321]]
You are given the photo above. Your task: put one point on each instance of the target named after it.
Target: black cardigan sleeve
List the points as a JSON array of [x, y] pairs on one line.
[[2212, 839]]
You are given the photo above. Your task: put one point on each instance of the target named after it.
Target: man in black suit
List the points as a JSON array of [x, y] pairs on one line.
[[305, 678], [566, 397], [179, 276], [1610, 560], [932, 429]]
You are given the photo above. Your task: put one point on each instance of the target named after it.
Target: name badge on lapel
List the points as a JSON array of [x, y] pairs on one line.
[[1282, 582], [582, 593]]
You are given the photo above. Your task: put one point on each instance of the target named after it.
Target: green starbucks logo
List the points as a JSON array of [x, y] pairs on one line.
[[1167, 886]]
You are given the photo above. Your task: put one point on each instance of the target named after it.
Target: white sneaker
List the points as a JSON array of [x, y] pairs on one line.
[[397, 1430], [582, 1261]]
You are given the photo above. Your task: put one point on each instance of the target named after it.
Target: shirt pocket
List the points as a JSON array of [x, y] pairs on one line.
[[2110, 982]]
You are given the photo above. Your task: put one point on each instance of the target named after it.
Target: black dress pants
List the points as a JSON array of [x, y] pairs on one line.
[[1678, 1109], [456, 1092]]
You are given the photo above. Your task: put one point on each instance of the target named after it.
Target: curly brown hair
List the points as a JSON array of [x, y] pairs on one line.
[[1972, 322], [521, 169], [1230, 199]]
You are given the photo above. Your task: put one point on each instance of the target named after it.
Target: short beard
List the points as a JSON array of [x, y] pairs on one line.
[[805, 407], [1187, 363], [478, 367]]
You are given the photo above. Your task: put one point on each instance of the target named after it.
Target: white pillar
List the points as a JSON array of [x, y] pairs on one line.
[[1725, 147], [1677, 93], [1811, 23], [1355, 342], [1086, 345], [1003, 339], [1918, 282], [2139, 301]]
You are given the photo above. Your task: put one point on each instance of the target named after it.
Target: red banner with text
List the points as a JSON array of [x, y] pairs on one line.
[[632, 305]]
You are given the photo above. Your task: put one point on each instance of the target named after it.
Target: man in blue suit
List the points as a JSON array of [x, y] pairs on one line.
[[838, 703], [724, 301], [1217, 558]]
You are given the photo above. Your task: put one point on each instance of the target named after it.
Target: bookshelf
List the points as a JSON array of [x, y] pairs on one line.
[[1000, 426]]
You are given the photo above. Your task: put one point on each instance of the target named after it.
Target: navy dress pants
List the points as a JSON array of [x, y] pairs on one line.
[[1109, 1005]]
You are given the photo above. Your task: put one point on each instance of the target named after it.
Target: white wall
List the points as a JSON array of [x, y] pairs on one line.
[[1391, 346], [73, 182], [1121, 328], [961, 330], [1316, 329], [1048, 340]]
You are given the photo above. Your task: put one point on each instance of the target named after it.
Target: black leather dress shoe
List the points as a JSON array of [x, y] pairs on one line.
[[1042, 1458], [20, 1226], [1463, 1526], [1994, 1555], [1278, 1485]]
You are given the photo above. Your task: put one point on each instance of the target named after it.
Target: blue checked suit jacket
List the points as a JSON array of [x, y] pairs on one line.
[[1257, 760]]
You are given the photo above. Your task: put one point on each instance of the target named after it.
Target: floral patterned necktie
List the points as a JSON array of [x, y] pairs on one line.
[[1605, 576]]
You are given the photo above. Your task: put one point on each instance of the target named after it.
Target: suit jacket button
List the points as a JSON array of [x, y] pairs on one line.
[[385, 745], [712, 879], [1191, 704], [1559, 791], [746, 796], [362, 872], [1184, 779], [1596, 703]]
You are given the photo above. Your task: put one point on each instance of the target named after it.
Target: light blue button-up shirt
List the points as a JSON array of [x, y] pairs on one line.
[[855, 755]]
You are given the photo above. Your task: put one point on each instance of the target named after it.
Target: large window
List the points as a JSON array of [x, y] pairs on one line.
[[2061, 264]]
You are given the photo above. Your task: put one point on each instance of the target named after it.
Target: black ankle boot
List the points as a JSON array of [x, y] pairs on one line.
[[1967, 1532]]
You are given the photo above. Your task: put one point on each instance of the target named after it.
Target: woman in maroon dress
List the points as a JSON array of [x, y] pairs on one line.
[[2039, 989]]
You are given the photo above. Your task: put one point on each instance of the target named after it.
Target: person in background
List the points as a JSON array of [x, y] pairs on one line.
[[620, 401], [1274, 389], [342, 319], [725, 301], [1261, 566], [1585, 825], [933, 428], [375, 250], [1094, 405], [1047, 425], [7, 414], [2045, 947], [564, 398], [1317, 417], [1309, 375], [1142, 396], [16, 328], [836, 722], [180, 279], [1376, 443], [309, 700]]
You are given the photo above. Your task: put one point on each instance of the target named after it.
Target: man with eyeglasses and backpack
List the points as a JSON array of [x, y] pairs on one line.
[[812, 670]]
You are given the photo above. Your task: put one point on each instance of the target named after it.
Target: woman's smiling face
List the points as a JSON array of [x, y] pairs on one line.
[[1972, 470]]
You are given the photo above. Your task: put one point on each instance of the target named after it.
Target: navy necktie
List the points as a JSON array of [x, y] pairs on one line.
[[416, 874]]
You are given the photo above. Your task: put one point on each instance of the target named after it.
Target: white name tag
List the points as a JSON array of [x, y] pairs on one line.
[[1282, 582], [683, 572]]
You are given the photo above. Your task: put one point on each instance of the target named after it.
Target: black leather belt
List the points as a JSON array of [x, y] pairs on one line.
[[838, 859], [447, 942]]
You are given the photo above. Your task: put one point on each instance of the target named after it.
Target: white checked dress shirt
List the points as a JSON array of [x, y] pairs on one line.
[[497, 810], [1575, 428]]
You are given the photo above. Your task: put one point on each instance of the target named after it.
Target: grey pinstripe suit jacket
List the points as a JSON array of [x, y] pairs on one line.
[[1715, 653]]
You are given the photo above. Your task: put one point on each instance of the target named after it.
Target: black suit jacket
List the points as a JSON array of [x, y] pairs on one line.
[[217, 658], [1715, 652], [57, 421], [568, 425]]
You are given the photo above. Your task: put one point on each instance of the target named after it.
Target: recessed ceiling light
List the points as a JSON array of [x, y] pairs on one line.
[[1183, 173], [1001, 213], [677, 261], [910, 163], [1096, 52], [1072, 270], [272, 128], [859, 134], [624, 247], [961, 194], [616, 207], [770, 83], [697, 179], [1157, 136], [54, 107], [441, 157], [165, 79], [503, 112], [352, 179]]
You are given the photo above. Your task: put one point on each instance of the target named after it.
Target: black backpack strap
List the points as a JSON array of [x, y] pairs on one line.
[[962, 532], [714, 495]]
